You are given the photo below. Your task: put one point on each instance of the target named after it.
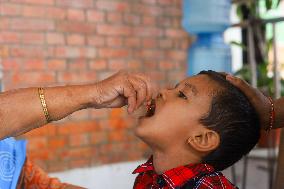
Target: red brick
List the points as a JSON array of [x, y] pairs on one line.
[[77, 127], [148, 31], [77, 153], [99, 113], [4, 23], [114, 41], [117, 64], [78, 64], [75, 39], [132, 19], [117, 136], [33, 64], [132, 42], [76, 27], [113, 53], [152, 2], [165, 2], [56, 166], [75, 3], [177, 75], [98, 64], [166, 65], [114, 17], [115, 30], [75, 14], [176, 33], [149, 43], [34, 11], [33, 78], [95, 16], [152, 10], [80, 163], [77, 77], [11, 64], [56, 64], [38, 2], [9, 37], [57, 142], [135, 65], [165, 22], [75, 52], [174, 11], [33, 38], [96, 41], [177, 55], [150, 54], [45, 131], [4, 51], [116, 113], [27, 51], [55, 13], [79, 139], [37, 143], [98, 137], [166, 43], [40, 154], [10, 9], [31, 24], [113, 6], [55, 38], [151, 64], [149, 20]]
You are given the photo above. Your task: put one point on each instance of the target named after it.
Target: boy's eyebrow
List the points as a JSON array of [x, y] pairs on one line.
[[190, 87]]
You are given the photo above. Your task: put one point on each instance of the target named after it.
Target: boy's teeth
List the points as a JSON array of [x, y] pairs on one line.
[[145, 110], [151, 109]]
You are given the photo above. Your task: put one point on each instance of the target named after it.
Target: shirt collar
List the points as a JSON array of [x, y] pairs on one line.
[[178, 176]]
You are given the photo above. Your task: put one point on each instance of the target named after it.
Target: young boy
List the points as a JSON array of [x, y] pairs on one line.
[[195, 130]]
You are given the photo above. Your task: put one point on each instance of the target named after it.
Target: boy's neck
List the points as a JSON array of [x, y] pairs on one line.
[[163, 161]]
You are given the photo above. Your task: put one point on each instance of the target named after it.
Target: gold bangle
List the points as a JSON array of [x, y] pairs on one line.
[[43, 104]]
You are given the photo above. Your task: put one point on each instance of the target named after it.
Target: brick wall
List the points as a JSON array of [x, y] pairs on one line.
[[56, 42]]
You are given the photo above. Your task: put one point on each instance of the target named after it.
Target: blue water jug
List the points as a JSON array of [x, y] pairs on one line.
[[209, 52], [204, 16]]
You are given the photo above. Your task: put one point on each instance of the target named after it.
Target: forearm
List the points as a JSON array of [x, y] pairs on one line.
[[279, 113], [21, 110]]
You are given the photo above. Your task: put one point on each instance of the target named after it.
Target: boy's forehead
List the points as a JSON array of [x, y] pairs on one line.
[[201, 83]]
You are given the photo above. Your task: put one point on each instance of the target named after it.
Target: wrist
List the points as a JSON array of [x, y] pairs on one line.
[[82, 95], [91, 96]]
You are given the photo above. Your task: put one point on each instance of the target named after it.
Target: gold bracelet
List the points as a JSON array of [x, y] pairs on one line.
[[43, 104]]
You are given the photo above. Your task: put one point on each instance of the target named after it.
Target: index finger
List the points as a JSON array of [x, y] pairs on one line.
[[149, 85], [248, 90]]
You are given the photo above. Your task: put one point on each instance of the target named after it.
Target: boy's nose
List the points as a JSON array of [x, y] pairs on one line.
[[163, 94]]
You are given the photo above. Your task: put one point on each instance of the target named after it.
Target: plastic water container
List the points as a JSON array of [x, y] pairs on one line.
[[209, 52], [205, 16]]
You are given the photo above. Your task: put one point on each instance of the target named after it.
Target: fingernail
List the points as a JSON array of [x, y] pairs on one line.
[[230, 78]]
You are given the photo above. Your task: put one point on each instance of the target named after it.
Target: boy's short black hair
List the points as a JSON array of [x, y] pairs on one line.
[[233, 117]]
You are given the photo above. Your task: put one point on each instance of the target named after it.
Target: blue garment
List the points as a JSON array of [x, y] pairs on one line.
[[12, 159]]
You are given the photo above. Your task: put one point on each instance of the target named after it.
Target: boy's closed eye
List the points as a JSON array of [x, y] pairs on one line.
[[182, 95]]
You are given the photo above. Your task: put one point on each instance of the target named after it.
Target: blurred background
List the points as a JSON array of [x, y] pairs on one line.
[[59, 42]]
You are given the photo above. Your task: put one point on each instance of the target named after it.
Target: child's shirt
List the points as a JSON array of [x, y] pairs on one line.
[[192, 176]]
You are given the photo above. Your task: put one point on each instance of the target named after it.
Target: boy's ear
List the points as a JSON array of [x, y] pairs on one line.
[[204, 141]]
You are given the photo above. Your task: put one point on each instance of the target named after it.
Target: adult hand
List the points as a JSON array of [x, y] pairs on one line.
[[260, 102], [123, 89]]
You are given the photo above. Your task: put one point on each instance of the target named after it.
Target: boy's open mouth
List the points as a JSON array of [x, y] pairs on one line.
[[151, 109]]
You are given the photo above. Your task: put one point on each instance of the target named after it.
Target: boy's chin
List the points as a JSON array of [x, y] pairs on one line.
[[141, 130]]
